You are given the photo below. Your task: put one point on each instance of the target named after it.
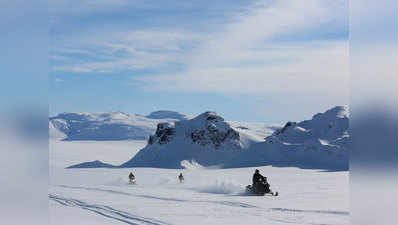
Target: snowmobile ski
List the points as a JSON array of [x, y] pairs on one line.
[[252, 191]]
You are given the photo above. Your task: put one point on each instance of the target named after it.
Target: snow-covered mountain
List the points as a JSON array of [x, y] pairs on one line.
[[55, 130], [209, 140], [322, 142], [108, 126], [122, 126]]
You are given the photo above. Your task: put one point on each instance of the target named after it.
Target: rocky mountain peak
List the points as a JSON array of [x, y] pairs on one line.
[[163, 135]]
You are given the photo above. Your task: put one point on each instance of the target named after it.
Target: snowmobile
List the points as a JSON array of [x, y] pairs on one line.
[[260, 190], [132, 180]]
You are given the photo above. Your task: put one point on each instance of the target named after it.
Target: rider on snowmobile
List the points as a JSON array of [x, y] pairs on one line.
[[131, 177], [181, 177], [260, 182]]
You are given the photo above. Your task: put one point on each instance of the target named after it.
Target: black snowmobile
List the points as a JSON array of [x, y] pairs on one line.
[[260, 189]]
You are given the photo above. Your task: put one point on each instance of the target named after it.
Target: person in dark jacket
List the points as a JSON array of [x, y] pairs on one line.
[[181, 178], [260, 182], [131, 177]]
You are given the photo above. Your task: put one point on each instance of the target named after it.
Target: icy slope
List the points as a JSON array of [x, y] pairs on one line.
[[107, 126]]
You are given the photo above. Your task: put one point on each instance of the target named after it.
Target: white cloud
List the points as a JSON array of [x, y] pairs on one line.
[[132, 50], [311, 70], [245, 58]]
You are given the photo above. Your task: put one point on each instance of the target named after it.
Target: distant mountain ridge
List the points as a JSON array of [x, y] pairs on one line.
[[321, 142], [111, 126], [105, 126]]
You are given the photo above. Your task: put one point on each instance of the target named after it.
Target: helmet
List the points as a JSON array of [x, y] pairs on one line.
[[257, 171]]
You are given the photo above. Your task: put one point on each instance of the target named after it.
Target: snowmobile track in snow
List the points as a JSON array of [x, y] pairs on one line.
[[310, 211], [297, 216], [226, 203], [96, 189], [106, 211]]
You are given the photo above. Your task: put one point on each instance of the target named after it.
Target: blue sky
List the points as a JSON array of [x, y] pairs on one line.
[[261, 61]]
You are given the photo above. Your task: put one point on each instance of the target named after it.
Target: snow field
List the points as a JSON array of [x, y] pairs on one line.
[[208, 196]]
